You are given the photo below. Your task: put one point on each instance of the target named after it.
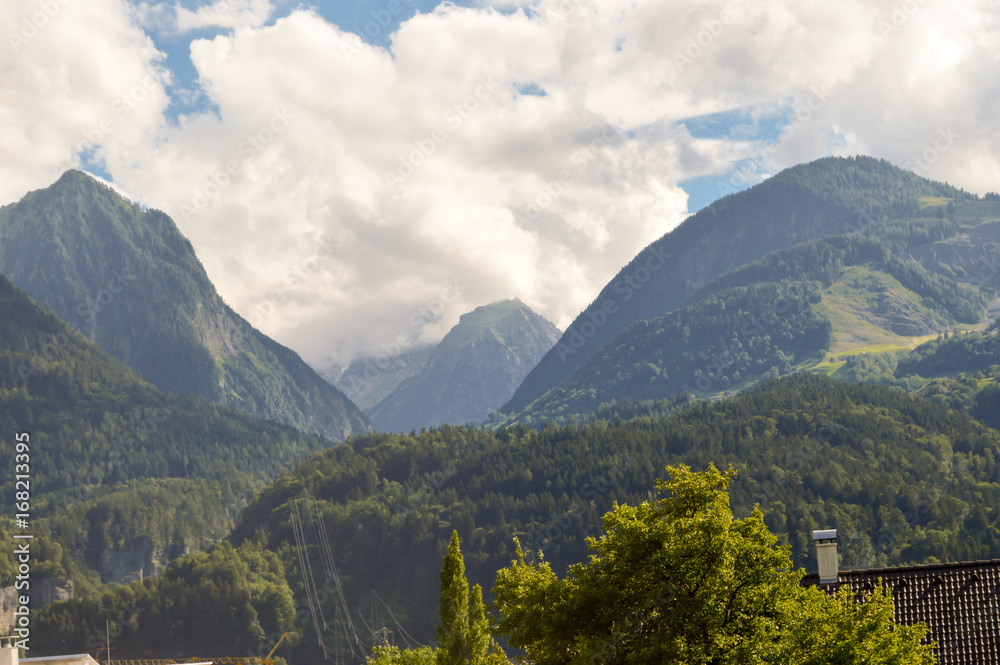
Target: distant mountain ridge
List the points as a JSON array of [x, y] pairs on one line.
[[830, 196], [473, 371], [129, 281], [367, 381]]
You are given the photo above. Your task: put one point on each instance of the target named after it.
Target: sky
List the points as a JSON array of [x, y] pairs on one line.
[[356, 175]]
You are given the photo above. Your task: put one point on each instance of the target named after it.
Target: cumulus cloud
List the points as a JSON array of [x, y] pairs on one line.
[[350, 199], [75, 79], [920, 95], [427, 167]]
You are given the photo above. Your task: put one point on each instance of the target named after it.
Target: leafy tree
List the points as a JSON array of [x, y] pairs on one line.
[[391, 655], [680, 580], [839, 629]]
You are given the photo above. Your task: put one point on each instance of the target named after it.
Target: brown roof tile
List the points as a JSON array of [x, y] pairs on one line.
[[959, 602]]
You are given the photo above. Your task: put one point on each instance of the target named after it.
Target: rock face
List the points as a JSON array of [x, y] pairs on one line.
[[44, 591], [141, 559], [973, 254], [131, 283], [475, 369], [131, 564]]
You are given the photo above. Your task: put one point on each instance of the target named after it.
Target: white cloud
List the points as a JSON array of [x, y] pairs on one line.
[[73, 75], [228, 14], [419, 162], [375, 195]]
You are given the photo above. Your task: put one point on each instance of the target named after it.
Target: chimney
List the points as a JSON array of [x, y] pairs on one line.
[[8, 652], [826, 555]]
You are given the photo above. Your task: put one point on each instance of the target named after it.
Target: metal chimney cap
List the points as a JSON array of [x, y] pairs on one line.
[[825, 534]]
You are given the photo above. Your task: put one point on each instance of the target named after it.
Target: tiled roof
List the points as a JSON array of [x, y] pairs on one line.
[[959, 602]]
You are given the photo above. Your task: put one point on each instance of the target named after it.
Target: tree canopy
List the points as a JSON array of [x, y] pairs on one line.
[[681, 580]]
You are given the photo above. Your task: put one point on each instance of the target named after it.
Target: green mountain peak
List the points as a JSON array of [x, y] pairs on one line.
[[130, 281]]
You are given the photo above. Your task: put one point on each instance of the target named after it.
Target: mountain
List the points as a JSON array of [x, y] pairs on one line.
[[123, 475], [905, 480], [827, 197], [129, 281], [806, 307], [367, 381], [770, 317], [474, 370]]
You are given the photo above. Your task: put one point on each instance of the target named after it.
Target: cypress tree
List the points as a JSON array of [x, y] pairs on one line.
[[453, 631], [479, 627]]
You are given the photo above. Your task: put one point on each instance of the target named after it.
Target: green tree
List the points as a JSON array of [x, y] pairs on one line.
[[479, 626], [390, 655], [680, 580], [464, 632], [836, 630], [453, 631]]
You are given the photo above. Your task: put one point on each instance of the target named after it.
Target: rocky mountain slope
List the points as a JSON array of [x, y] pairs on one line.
[[367, 381], [473, 371], [123, 476]]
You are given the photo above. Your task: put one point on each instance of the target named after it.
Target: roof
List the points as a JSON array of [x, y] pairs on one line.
[[71, 659], [959, 602]]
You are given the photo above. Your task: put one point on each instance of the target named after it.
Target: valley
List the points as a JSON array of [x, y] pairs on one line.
[[832, 334]]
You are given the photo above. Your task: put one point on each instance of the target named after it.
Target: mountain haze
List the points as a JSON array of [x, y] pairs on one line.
[[129, 281], [474, 369], [367, 381]]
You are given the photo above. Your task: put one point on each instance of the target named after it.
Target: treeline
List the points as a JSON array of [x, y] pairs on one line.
[[875, 188]]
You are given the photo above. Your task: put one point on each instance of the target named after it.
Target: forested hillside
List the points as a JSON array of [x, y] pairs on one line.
[[768, 318], [902, 478], [96, 428]]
